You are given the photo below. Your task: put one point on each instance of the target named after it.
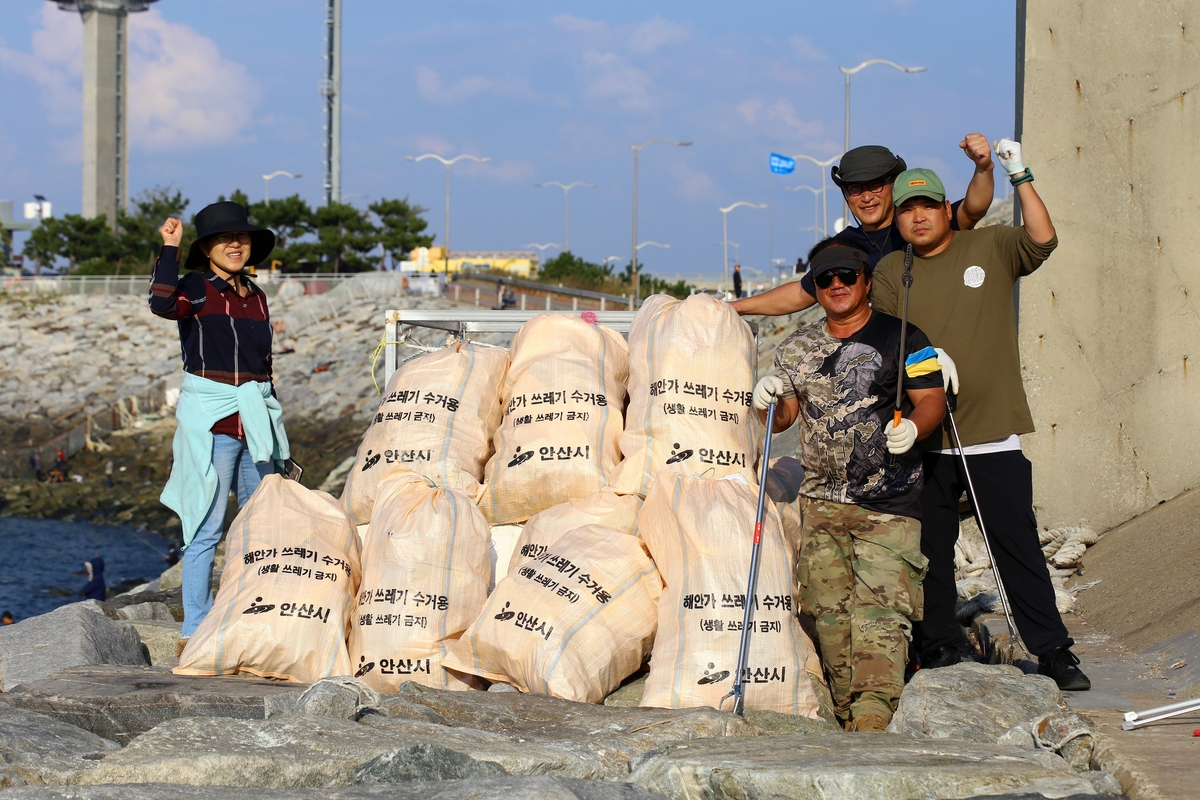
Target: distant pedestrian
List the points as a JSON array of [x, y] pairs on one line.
[[95, 589], [7, 618], [737, 281], [60, 460], [225, 334], [108, 472], [172, 556], [35, 464]]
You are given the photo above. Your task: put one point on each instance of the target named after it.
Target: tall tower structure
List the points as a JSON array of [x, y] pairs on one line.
[[331, 89], [105, 122]]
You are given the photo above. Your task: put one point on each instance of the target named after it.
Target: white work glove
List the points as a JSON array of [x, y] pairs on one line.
[[901, 439], [1010, 156], [949, 371], [767, 391]]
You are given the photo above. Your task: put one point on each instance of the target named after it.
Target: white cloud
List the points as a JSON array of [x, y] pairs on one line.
[[181, 90], [694, 184], [654, 33], [804, 49], [569, 22], [433, 143], [749, 109], [433, 89], [610, 78], [783, 111], [506, 171]]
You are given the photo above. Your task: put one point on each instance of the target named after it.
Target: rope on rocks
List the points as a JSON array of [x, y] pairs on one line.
[[1071, 735]]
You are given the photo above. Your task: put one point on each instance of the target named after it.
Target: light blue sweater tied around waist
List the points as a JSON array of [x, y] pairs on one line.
[[192, 487]]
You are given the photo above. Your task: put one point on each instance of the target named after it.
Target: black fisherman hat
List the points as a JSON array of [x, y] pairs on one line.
[[839, 257], [871, 162], [228, 217]]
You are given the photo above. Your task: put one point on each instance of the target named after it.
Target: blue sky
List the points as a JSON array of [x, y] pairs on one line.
[[222, 91]]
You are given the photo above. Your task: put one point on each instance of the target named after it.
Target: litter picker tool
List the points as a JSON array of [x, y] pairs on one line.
[[906, 280], [1134, 719], [962, 457], [737, 692]]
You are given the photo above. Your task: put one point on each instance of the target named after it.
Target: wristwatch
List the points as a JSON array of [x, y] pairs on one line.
[[1021, 177]]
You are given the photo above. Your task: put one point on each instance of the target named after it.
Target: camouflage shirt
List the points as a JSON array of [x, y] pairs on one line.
[[847, 393]]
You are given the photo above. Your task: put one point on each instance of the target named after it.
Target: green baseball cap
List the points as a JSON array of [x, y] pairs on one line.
[[919, 182]]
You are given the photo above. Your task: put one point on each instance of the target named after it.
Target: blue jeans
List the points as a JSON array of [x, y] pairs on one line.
[[235, 471]]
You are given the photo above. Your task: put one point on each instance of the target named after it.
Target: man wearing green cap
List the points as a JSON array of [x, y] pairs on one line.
[[962, 297]]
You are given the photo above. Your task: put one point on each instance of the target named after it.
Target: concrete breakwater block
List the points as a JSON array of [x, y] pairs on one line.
[[860, 766], [74, 635], [533, 787], [35, 749], [973, 702], [120, 702]]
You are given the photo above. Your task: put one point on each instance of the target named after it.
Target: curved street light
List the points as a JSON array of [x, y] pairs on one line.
[[817, 194], [637, 149], [848, 71], [653, 244], [566, 207], [824, 197], [725, 228], [448, 163], [275, 174], [737, 259]]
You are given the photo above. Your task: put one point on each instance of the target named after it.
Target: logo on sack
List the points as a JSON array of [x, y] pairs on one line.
[[973, 277], [364, 668], [681, 455], [520, 458], [716, 677], [371, 460], [255, 608], [505, 615]]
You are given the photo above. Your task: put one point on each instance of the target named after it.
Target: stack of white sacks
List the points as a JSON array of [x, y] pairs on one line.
[[553, 517]]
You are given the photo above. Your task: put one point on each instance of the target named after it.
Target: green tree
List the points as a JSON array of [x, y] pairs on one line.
[[289, 217], [571, 270], [345, 236], [400, 227], [648, 284], [138, 239], [77, 239]]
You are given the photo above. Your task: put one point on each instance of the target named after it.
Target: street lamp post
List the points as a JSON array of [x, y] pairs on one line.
[[816, 206], [267, 182], [566, 206], [448, 163], [725, 229], [824, 198], [737, 259], [637, 148], [848, 71]]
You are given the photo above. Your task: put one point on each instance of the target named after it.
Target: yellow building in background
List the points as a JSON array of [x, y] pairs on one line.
[[518, 263]]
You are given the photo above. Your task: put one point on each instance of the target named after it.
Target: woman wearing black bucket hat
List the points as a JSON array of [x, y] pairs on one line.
[[230, 425]]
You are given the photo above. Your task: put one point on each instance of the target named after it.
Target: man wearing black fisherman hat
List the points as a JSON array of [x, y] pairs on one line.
[[865, 175], [230, 425]]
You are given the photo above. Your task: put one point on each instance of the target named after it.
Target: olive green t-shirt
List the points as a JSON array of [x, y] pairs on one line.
[[963, 299]]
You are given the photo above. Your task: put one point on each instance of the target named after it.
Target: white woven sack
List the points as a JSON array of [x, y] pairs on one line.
[[605, 508], [436, 417], [691, 375], [700, 533], [573, 623], [291, 571], [563, 399], [425, 577]]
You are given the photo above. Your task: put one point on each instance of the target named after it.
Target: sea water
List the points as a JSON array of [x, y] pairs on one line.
[[41, 560]]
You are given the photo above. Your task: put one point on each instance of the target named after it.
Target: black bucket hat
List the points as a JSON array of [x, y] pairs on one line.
[[871, 162], [228, 217]]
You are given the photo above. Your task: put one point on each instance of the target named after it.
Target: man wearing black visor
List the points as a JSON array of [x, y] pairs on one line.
[[865, 176]]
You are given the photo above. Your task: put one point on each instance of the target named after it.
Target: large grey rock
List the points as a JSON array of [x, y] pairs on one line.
[[119, 703], [424, 762], [536, 734], [860, 766], [141, 612], [35, 749], [74, 635], [160, 638], [973, 702], [535, 787], [340, 698]]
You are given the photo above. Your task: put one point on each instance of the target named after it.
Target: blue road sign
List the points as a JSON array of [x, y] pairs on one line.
[[782, 165]]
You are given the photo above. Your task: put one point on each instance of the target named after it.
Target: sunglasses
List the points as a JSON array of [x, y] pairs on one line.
[[874, 187], [847, 276], [226, 238]]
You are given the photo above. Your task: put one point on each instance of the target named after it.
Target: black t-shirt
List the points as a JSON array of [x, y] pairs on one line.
[[847, 394], [876, 244]]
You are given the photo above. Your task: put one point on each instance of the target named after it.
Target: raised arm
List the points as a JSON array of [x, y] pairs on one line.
[[982, 187], [1034, 215], [786, 299], [167, 298]]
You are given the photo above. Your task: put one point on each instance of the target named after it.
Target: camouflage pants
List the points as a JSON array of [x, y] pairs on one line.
[[859, 575]]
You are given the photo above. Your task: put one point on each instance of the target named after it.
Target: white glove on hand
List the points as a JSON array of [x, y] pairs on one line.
[[949, 371], [901, 439], [1010, 156], [767, 391]]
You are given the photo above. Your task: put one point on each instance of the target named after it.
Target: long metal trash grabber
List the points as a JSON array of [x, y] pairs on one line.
[[1012, 627], [1134, 719], [907, 280], [739, 695]]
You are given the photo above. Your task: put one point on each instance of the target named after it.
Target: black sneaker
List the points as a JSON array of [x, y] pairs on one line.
[[1063, 666], [935, 657]]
